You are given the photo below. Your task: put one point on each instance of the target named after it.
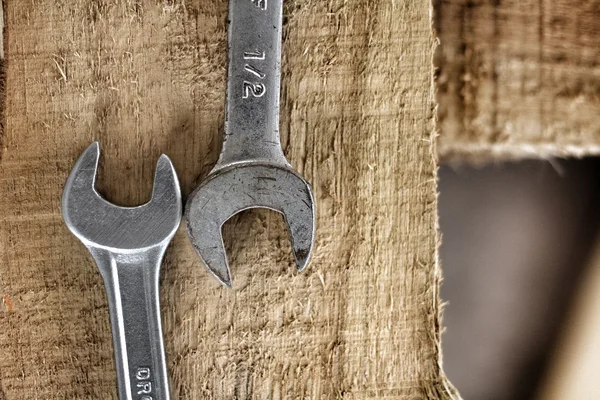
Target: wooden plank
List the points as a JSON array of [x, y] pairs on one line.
[[573, 372], [518, 78], [146, 77]]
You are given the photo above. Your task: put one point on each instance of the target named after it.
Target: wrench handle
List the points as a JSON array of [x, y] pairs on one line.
[[131, 284], [253, 85]]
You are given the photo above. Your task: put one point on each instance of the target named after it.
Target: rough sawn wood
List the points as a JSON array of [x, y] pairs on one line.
[[145, 77], [518, 78]]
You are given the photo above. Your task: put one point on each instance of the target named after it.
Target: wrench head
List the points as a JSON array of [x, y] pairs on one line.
[[103, 225], [240, 187]]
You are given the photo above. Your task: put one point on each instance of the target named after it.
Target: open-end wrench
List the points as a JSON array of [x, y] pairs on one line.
[[252, 171], [128, 245]]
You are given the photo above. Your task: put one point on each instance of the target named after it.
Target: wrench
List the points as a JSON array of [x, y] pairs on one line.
[[128, 245], [252, 171]]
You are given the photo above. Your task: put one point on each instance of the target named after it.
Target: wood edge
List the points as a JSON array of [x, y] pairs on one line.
[[480, 153], [447, 389], [3, 39]]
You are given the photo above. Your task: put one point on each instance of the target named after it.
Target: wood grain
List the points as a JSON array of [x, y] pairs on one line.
[[145, 77], [518, 78]]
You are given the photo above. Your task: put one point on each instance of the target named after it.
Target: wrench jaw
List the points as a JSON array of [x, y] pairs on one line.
[[166, 191], [81, 180], [240, 187], [98, 223]]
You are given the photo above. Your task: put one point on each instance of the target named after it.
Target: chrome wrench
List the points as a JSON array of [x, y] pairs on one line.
[[128, 245], [252, 171]]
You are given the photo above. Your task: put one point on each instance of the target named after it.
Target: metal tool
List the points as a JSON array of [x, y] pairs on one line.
[[252, 171], [128, 245]]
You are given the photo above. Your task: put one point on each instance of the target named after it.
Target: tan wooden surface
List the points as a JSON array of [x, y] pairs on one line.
[[573, 372], [518, 78], [148, 76]]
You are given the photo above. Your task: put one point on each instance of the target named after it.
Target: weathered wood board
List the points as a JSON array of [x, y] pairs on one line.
[[573, 372], [518, 78], [145, 77]]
